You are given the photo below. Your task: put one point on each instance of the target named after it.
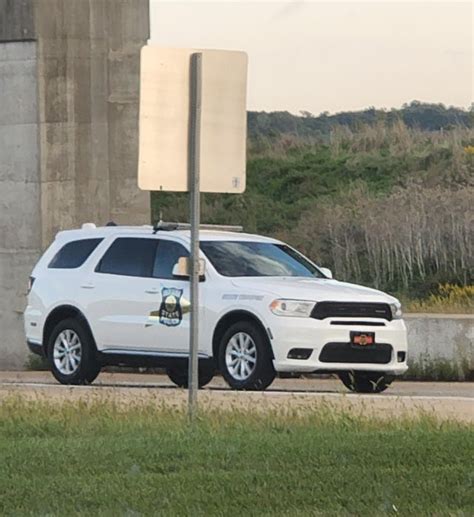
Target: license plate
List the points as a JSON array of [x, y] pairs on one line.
[[363, 338]]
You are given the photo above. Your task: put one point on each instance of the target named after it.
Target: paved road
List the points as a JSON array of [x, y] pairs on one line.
[[305, 386], [444, 401]]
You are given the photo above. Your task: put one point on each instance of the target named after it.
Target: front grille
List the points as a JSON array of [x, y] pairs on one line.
[[324, 310], [379, 353]]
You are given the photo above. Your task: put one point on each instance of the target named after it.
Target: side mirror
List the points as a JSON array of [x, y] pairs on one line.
[[182, 268], [326, 272]]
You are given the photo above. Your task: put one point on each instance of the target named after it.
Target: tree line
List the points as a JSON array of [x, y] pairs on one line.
[[416, 114]]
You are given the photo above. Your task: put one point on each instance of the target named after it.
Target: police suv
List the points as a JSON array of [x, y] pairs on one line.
[[119, 295]]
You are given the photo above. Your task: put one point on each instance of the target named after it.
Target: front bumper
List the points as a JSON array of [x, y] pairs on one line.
[[308, 333]]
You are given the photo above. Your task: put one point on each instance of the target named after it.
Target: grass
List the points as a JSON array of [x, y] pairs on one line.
[[100, 459]]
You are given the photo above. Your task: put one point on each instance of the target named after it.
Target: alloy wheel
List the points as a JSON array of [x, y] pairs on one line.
[[241, 356], [67, 352]]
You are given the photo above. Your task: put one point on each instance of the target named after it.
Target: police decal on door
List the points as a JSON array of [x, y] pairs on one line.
[[172, 307], [171, 312]]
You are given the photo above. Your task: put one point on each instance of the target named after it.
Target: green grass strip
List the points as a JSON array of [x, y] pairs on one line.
[[105, 459]]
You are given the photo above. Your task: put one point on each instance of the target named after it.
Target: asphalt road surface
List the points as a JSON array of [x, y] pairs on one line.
[[443, 400]]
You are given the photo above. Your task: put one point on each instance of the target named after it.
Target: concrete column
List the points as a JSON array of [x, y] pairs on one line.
[[20, 191], [88, 81], [69, 75]]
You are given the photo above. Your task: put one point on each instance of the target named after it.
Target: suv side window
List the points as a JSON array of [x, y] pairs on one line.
[[73, 254], [167, 256], [129, 256]]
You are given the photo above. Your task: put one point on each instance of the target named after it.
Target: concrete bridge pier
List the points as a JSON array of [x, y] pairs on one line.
[[69, 79]]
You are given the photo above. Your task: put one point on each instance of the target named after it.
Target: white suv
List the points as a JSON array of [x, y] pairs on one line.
[[114, 296]]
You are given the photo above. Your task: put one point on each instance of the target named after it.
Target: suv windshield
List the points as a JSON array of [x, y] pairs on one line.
[[238, 258]]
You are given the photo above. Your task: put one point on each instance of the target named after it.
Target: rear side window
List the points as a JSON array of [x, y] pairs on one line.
[[129, 256], [167, 256], [73, 254]]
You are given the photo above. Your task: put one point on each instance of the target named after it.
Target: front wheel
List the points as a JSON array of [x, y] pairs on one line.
[[245, 359], [366, 382]]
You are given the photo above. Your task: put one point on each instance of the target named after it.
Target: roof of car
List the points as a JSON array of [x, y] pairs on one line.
[[90, 231]]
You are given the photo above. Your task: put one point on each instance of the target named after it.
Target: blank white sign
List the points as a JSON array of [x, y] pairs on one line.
[[164, 120]]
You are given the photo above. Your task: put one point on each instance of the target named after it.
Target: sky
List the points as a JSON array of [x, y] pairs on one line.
[[333, 56]]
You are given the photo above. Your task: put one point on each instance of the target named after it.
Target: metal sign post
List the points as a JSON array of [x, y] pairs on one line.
[[192, 127], [194, 209]]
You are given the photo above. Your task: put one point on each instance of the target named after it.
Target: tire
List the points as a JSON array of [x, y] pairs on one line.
[[82, 367], [252, 343], [179, 375], [366, 382]]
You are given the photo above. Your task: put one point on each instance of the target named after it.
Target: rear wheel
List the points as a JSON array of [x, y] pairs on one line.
[[71, 353], [245, 359], [366, 382], [179, 375]]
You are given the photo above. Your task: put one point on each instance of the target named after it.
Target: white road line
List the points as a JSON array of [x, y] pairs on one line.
[[76, 386]]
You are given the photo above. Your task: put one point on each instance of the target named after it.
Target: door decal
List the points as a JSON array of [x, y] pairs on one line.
[[171, 310]]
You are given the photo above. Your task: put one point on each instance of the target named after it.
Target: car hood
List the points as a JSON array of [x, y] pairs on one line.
[[314, 289]]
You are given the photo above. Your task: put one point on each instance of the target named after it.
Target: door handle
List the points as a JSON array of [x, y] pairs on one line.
[[87, 286], [152, 291]]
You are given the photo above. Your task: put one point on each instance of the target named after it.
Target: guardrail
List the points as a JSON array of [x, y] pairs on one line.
[[440, 346]]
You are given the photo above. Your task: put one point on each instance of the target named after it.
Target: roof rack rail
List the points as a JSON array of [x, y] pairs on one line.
[[162, 226]]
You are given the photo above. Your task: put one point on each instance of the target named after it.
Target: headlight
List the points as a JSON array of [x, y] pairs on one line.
[[295, 308], [396, 310]]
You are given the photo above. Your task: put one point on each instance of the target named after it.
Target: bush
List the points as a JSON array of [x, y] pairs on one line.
[[449, 298]]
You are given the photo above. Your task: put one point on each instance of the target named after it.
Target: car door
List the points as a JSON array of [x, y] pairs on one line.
[[168, 322], [122, 295]]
